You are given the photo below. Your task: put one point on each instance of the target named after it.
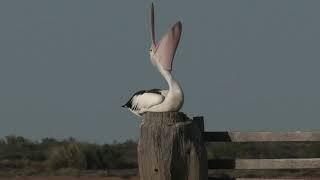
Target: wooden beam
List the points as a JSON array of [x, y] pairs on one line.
[[277, 163], [260, 136], [262, 178], [284, 174], [277, 178], [200, 122], [263, 150], [265, 164]]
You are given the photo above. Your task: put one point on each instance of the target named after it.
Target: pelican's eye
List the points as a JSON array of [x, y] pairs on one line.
[[150, 49]]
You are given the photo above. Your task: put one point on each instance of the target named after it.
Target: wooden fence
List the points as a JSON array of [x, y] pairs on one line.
[[272, 165], [174, 147]]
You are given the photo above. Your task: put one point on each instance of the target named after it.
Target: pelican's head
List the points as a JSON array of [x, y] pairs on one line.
[[152, 53], [162, 53]]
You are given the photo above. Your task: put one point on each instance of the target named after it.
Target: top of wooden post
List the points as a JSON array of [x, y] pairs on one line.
[[165, 117]]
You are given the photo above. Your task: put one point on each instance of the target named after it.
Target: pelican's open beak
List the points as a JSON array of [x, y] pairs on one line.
[[153, 36], [168, 44]]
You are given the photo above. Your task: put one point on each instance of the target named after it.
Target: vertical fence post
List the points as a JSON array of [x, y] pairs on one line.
[[200, 122], [171, 148]]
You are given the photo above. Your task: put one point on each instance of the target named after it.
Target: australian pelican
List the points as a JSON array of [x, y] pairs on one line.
[[161, 55]]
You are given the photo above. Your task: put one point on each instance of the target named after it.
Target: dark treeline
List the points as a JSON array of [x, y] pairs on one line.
[[17, 152], [19, 155]]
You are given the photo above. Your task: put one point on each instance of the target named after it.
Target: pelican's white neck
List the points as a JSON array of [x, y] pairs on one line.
[[174, 98], [172, 83]]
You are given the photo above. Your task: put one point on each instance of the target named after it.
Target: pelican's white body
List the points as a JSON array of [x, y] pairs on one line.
[[161, 55], [174, 98], [164, 101]]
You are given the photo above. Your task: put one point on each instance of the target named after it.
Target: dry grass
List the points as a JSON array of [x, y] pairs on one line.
[[67, 178]]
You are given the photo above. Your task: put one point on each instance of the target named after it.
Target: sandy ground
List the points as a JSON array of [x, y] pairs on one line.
[[124, 178], [66, 178]]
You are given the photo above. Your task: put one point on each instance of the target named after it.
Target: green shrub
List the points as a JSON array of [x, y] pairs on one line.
[[93, 156], [67, 156]]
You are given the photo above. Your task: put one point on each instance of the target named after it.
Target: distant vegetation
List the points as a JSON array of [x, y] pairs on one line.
[[21, 155]]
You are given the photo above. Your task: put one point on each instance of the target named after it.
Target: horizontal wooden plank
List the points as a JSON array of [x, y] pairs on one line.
[[260, 136], [233, 174], [277, 163], [263, 150], [264, 163], [277, 178], [262, 178]]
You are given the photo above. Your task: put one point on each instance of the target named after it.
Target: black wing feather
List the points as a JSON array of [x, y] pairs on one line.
[[129, 103]]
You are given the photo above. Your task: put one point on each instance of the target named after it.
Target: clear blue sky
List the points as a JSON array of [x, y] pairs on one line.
[[66, 67]]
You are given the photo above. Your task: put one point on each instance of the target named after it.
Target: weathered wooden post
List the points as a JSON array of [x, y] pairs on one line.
[[171, 148]]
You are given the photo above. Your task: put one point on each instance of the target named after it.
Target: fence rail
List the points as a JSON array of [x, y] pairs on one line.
[[256, 166], [264, 163], [260, 136], [172, 146]]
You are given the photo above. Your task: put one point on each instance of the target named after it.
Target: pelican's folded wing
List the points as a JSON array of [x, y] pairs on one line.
[[146, 100]]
